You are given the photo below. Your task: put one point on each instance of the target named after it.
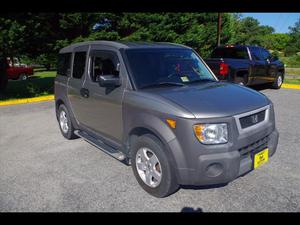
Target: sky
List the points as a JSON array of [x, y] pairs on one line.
[[279, 21]]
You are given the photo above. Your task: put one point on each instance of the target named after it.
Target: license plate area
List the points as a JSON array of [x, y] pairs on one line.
[[259, 158]]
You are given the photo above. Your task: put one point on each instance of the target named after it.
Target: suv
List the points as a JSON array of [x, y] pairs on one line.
[[246, 65], [159, 108]]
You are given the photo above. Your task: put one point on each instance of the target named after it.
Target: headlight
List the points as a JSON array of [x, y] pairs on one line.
[[211, 133]]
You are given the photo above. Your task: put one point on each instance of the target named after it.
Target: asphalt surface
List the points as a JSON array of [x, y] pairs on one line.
[[42, 171]]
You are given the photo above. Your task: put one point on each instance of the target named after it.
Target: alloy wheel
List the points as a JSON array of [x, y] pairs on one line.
[[148, 167]]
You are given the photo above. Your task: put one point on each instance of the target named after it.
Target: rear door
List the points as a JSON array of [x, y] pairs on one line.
[[78, 101]]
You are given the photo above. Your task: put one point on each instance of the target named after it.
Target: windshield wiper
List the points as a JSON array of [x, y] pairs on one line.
[[201, 80], [162, 84]]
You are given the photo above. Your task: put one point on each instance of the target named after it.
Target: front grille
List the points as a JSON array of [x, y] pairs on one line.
[[253, 119], [256, 146]]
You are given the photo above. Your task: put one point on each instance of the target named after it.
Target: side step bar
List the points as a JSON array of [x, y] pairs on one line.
[[100, 145]]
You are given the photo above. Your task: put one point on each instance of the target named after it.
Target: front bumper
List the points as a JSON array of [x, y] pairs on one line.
[[198, 164], [222, 168]]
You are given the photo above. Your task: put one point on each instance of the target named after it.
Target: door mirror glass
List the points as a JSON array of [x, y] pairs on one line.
[[109, 81]]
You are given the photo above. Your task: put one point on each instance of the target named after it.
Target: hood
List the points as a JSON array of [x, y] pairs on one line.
[[213, 99]]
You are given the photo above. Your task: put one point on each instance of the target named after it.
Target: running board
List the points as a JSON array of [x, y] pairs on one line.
[[100, 145]]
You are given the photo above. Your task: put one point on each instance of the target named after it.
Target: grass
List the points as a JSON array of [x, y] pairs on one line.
[[292, 71], [291, 61], [40, 84], [292, 81]]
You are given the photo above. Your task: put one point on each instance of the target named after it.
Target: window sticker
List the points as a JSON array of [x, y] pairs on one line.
[[184, 79]]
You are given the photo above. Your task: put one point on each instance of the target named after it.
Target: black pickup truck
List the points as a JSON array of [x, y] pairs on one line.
[[246, 65]]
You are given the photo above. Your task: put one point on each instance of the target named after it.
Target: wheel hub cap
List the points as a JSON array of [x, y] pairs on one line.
[[279, 80], [148, 167], [63, 121]]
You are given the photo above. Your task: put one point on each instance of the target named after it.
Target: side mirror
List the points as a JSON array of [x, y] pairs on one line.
[[274, 58], [109, 81]]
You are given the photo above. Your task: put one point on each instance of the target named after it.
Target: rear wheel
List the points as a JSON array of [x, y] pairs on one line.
[[278, 81], [242, 79], [65, 123], [23, 76], [151, 166]]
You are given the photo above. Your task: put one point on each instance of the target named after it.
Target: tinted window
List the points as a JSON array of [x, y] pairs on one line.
[[154, 66], [256, 54], [265, 54], [103, 63], [230, 52], [79, 64], [64, 64]]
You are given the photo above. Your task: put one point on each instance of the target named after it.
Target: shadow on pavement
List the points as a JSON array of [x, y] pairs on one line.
[[191, 210]]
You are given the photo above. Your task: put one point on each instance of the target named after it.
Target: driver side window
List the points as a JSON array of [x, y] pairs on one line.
[[103, 63]]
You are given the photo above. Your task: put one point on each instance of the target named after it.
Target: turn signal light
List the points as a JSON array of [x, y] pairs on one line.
[[172, 123]]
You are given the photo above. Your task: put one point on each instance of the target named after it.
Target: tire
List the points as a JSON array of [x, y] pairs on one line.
[[23, 76], [242, 80], [66, 128], [167, 184], [278, 81]]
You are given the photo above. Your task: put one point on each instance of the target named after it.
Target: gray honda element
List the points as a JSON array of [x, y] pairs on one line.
[[159, 108]]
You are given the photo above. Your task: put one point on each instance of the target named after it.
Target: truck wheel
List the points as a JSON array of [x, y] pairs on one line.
[[151, 166], [65, 123], [278, 81], [23, 76], [242, 80]]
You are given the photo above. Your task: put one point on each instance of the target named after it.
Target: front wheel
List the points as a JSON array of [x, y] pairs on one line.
[[278, 81], [151, 166]]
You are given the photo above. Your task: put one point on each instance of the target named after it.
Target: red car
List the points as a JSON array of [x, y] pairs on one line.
[[18, 71]]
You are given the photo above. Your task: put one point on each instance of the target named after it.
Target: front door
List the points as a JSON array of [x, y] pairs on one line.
[[259, 69], [105, 103]]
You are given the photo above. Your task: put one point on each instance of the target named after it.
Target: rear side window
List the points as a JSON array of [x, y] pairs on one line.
[[231, 52], [79, 64], [64, 64]]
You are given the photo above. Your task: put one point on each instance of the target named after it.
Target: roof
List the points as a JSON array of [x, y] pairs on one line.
[[124, 45]]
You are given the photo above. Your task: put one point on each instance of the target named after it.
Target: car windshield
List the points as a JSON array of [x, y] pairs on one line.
[[166, 67]]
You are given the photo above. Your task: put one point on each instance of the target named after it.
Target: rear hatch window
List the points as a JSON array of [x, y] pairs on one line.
[[230, 52]]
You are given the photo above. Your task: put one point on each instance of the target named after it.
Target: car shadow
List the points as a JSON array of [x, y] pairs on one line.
[[202, 187], [260, 87], [191, 210]]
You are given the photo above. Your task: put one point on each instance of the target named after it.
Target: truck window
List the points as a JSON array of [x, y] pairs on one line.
[[256, 54], [265, 54], [79, 64], [64, 64], [103, 63], [230, 52]]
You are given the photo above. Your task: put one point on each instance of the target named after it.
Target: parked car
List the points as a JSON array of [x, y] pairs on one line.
[[158, 108], [246, 65], [17, 71]]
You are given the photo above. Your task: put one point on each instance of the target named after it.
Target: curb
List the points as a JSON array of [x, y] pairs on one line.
[[27, 100], [291, 86]]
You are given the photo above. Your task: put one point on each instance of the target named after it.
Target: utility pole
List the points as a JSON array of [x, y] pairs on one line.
[[219, 29]]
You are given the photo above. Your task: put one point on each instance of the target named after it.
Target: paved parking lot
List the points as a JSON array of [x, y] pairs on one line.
[[42, 171]]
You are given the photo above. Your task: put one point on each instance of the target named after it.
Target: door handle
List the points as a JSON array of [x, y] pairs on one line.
[[84, 92]]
